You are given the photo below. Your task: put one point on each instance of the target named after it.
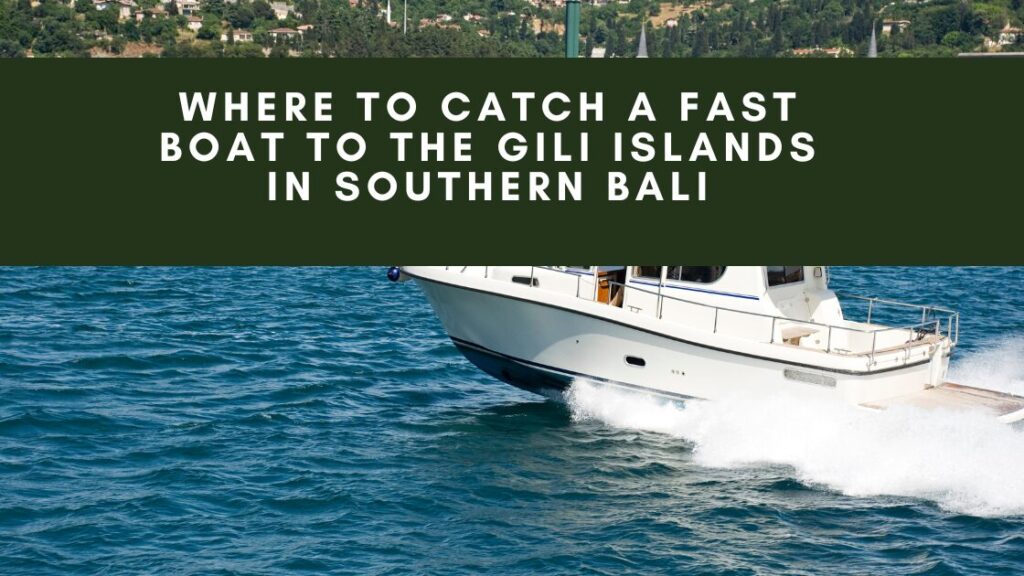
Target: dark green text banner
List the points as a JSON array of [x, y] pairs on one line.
[[914, 162]]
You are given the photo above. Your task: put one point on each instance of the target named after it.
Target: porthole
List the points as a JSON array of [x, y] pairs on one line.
[[636, 361]]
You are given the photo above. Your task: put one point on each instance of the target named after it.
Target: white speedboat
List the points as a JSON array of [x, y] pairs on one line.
[[701, 332]]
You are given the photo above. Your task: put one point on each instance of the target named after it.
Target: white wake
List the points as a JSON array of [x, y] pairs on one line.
[[998, 368], [967, 463]]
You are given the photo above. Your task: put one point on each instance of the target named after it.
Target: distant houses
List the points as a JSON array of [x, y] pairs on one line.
[[441, 21], [1008, 35], [289, 25], [890, 27], [124, 7], [285, 33], [821, 52], [241, 36], [281, 9], [191, 10], [187, 7], [289, 33], [150, 13]]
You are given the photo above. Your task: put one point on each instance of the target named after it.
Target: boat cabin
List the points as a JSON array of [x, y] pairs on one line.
[[797, 292], [785, 305]]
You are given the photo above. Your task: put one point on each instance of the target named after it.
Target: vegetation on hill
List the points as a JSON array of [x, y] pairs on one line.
[[512, 28]]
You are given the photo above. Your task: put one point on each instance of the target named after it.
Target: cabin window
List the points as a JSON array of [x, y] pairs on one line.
[[779, 275], [699, 274], [653, 272]]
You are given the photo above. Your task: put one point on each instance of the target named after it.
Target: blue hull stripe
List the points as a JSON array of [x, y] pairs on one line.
[[702, 290]]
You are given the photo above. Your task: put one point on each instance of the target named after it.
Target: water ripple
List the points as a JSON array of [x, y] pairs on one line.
[[269, 420]]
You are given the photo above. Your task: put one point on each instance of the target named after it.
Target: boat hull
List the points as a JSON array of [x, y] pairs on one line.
[[538, 346], [517, 373]]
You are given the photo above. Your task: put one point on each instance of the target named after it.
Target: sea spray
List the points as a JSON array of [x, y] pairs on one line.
[[1000, 367], [967, 463]]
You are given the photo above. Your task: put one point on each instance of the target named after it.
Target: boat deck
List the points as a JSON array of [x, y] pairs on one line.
[[949, 396]]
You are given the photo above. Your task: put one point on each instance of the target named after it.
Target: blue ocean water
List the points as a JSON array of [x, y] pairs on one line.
[[273, 420]]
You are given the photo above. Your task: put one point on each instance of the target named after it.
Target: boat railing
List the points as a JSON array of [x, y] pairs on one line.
[[916, 330], [944, 322], [949, 317]]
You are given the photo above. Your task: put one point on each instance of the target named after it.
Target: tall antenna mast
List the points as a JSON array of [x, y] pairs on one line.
[[572, 28], [641, 50], [873, 44], [405, 15]]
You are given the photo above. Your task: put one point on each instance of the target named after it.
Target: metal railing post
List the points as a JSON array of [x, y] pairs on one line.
[[531, 276], [715, 329], [874, 338], [773, 331], [828, 345], [871, 306], [660, 301]]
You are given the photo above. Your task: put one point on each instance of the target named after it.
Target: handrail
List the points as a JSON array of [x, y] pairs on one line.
[[776, 317], [894, 302], [951, 319], [912, 328]]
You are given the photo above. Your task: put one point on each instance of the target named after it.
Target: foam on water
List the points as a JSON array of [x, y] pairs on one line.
[[997, 368], [965, 462], [277, 420]]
